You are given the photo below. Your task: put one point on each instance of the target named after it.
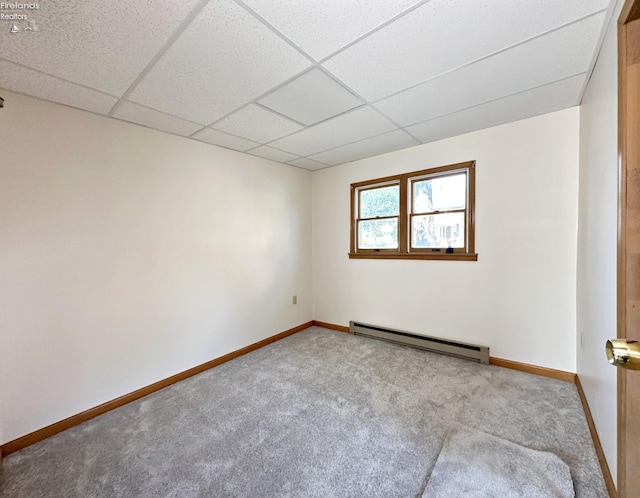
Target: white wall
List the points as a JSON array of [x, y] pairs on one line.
[[128, 255], [519, 297], [597, 240]]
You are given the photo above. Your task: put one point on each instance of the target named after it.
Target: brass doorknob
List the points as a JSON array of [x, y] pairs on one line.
[[623, 353]]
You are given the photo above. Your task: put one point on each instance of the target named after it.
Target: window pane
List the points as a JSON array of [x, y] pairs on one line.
[[383, 201], [440, 194], [437, 231], [378, 234]]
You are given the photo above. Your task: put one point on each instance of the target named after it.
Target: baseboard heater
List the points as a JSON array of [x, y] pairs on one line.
[[434, 344]]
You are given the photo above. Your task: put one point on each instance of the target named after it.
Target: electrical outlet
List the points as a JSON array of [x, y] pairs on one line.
[[294, 300], [582, 341]]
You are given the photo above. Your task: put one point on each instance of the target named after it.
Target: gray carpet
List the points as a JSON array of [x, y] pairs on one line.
[[318, 414], [475, 464]]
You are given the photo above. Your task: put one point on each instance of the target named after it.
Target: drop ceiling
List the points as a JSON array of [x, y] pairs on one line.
[[310, 83]]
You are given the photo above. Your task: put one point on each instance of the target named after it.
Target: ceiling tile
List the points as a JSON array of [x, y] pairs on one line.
[[541, 100], [442, 35], [311, 98], [374, 146], [257, 124], [155, 119], [346, 128], [309, 164], [210, 71], [273, 154], [22, 80], [555, 56], [216, 137], [104, 45], [321, 28]]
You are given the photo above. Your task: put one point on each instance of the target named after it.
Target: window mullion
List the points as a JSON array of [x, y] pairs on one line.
[[377, 218], [445, 211]]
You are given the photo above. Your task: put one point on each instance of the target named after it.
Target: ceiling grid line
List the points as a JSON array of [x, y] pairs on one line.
[[383, 25], [348, 111], [59, 78], [44, 99], [167, 44], [256, 99], [367, 104], [400, 128], [499, 98], [316, 83], [351, 90], [370, 104], [349, 143], [275, 30], [233, 135], [492, 100], [594, 59], [488, 56], [160, 112], [315, 64], [394, 122], [258, 104]]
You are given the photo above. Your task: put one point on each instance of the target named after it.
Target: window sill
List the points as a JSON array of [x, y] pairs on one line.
[[416, 255]]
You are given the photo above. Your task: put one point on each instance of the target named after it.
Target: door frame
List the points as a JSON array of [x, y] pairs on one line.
[[630, 12]]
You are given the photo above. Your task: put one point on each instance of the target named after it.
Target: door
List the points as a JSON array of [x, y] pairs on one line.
[[629, 246]]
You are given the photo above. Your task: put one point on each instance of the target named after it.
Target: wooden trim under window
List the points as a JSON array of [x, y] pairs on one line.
[[404, 250], [416, 255]]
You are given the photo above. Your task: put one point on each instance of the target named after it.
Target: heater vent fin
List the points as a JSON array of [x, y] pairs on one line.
[[434, 344]]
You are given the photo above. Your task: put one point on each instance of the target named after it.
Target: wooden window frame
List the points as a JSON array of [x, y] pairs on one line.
[[375, 186], [405, 182]]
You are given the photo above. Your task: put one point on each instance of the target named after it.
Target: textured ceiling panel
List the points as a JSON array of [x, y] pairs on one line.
[[216, 137], [245, 70], [224, 59], [322, 27], [155, 119], [444, 34], [381, 144], [557, 55], [311, 98], [273, 154], [309, 164], [23, 80], [549, 98], [351, 127], [257, 124], [104, 45]]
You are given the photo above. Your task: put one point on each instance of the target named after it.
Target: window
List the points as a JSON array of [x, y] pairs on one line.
[[426, 214]]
